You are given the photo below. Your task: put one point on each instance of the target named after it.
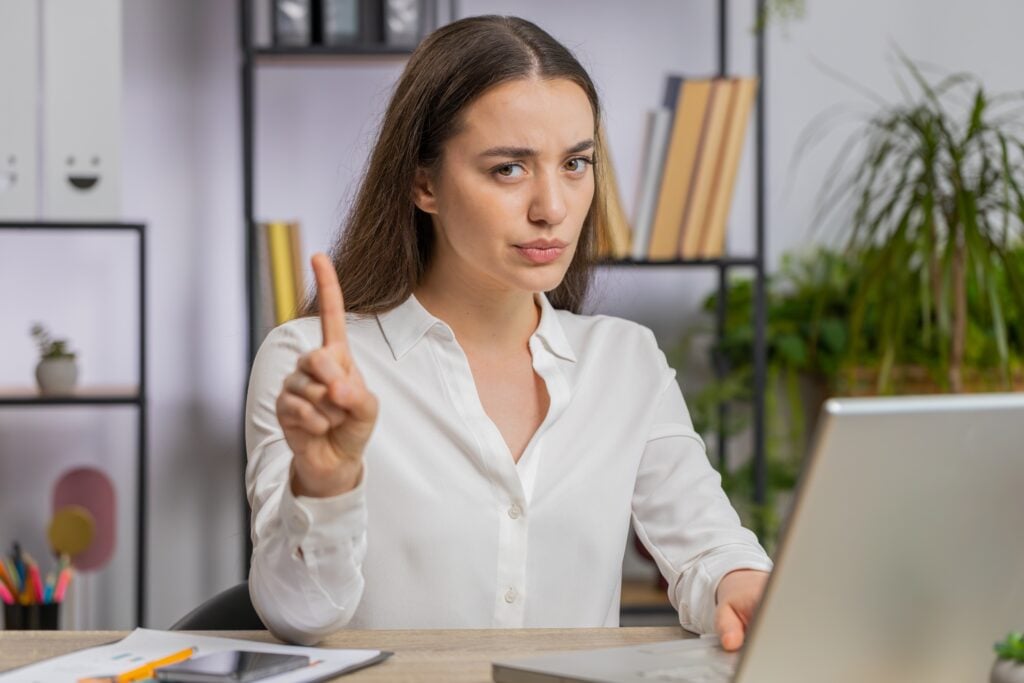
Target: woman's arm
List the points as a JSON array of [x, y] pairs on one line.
[[683, 517], [306, 579]]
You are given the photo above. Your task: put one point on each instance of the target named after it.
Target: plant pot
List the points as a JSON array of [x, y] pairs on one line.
[[912, 379], [56, 376], [1007, 671]]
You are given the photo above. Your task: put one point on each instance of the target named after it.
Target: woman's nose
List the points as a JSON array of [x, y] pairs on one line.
[[548, 205]]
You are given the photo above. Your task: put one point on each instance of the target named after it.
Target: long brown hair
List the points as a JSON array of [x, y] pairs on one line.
[[386, 244]]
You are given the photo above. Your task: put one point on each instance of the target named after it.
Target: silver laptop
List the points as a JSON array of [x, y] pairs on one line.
[[902, 559]]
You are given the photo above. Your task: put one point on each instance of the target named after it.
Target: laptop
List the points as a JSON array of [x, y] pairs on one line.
[[902, 559]]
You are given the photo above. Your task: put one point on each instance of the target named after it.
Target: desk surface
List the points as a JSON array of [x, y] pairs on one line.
[[449, 656]]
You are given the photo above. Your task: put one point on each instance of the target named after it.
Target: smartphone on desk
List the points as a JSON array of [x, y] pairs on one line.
[[231, 666]]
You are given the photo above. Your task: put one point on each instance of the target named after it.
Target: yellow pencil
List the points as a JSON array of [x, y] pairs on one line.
[[146, 670]]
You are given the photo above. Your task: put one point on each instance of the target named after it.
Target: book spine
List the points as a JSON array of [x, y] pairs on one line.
[[281, 276], [706, 169], [657, 148], [675, 191], [713, 242]]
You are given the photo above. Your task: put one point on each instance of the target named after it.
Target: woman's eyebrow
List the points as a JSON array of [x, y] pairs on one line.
[[528, 152]]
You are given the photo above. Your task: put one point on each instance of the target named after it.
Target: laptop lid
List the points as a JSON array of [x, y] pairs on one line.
[[903, 557]]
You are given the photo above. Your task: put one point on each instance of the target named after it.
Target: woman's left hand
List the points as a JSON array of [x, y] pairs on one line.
[[738, 595]]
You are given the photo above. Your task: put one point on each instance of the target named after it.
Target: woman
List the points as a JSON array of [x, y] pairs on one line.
[[462, 448]]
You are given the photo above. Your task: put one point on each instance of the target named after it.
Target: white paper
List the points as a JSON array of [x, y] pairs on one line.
[[145, 645]]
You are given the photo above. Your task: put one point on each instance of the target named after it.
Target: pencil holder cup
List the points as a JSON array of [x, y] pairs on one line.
[[43, 617]]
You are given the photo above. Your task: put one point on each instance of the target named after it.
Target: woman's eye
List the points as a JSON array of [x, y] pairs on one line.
[[581, 163], [501, 170]]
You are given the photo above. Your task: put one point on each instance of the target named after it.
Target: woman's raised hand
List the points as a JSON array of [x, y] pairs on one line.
[[324, 408]]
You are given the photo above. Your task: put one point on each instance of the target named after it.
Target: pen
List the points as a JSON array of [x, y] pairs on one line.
[[51, 581], [6, 595], [147, 669]]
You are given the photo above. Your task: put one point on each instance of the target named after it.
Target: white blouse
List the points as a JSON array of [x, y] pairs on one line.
[[445, 530]]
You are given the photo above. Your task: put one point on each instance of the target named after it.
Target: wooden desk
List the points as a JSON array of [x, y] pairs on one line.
[[462, 656]]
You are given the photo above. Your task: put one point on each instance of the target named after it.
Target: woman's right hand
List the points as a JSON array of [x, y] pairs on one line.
[[324, 408]]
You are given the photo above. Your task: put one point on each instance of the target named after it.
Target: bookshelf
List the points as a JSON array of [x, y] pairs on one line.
[[98, 396], [254, 56]]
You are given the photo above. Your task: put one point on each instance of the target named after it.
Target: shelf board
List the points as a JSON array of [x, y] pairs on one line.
[[290, 53], [685, 263], [69, 225], [88, 395]]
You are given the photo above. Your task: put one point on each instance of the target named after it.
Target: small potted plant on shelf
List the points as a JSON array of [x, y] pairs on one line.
[[57, 371], [1009, 666]]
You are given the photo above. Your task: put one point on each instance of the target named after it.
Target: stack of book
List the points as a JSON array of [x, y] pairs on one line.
[[692, 156]]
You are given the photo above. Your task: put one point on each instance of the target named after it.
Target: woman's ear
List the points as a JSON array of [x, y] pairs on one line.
[[423, 191]]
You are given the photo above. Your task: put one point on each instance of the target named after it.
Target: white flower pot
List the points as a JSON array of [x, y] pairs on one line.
[[56, 376], [1007, 671]]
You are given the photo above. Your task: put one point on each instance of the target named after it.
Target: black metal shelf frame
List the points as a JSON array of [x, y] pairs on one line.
[[137, 399], [254, 56]]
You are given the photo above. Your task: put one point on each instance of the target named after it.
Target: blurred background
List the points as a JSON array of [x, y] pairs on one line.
[[919, 291]]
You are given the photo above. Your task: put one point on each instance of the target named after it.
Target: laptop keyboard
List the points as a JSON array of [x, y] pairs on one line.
[[705, 672]]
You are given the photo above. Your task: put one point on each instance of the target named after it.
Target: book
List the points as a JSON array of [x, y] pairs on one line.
[[266, 318], [613, 232], [659, 121], [298, 273], [284, 279], [713, 240], [680, 160], [706, 167]]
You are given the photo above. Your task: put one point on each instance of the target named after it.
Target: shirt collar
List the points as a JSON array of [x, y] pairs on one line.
[[404, 325], [550, 329]]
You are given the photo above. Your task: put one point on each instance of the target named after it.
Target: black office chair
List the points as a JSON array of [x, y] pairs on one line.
[[229, 610]]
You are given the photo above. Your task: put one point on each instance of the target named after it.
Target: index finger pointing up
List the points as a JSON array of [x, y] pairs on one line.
[[332, 303]]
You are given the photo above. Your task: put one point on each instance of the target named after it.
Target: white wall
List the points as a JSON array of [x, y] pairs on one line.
[[182, 175]]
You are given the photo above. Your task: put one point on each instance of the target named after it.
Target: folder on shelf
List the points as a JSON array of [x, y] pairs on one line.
[[286, 275], [712, 243], [691, 103], [706, 168], [19, 80]]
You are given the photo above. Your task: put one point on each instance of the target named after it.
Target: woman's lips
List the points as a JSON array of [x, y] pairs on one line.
[[538, 255]]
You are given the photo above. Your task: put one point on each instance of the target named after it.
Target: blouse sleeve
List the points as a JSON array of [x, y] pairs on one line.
[[683, 517], [306, 575]]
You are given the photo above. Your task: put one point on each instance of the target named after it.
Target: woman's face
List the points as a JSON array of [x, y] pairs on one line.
[[513, 187]]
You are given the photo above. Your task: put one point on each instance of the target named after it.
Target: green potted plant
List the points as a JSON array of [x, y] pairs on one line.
[[809, 301], [57, 371], [1009, 665], [937, 209]]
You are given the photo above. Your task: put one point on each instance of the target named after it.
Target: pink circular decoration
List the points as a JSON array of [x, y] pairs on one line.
[[93, 490]]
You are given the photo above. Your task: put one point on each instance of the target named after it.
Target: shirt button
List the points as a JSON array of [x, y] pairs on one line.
[[511, 595], [515, 511]]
